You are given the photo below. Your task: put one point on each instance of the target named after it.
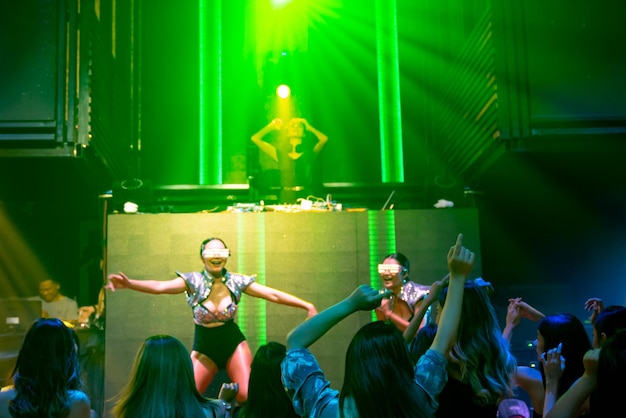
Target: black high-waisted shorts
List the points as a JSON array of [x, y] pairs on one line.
[[218, 343]]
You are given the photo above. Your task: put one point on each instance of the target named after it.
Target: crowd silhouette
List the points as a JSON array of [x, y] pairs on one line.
[[434, 350]]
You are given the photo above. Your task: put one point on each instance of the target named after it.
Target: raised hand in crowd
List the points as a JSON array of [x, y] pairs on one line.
[[595, 306], [517, 310], [570, 404]]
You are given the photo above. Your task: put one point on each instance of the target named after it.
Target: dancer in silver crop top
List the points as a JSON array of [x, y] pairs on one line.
[[406, 297], [213, 295]]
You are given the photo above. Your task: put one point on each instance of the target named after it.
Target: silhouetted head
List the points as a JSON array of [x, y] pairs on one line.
[[47, 368], [162, 382], [266, 395], [161, 359], [607, 323], [49, 352], [379, 373], [568, 330]]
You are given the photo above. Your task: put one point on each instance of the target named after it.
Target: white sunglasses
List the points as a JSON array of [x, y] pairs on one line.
[[215, 253], [390, 268]]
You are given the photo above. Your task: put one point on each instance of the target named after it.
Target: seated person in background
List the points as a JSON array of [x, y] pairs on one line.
[[46, 378], [161, 385], [54, 304], [294, 154]]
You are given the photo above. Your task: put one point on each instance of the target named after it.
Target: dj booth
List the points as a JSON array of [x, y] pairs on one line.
[[317, 254]]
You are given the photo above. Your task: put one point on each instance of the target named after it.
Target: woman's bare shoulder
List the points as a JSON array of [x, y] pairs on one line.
[[80, 405], [6, 394]]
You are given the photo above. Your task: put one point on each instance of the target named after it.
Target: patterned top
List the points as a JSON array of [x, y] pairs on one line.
[[199, 285], [412, 293], [313, 397]]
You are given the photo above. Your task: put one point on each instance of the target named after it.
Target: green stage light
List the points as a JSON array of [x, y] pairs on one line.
[[390, 114], [382, 240], [211, 100], [277, 4]]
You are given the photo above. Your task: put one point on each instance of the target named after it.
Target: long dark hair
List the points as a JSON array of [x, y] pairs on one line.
[[567, 329], [379, 374], [266, 395], [47, 369], [162, 383]]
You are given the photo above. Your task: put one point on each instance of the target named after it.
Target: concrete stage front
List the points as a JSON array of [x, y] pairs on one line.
[[320, 257]]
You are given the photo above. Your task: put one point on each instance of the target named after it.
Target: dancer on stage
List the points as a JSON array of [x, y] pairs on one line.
[[213, 295]]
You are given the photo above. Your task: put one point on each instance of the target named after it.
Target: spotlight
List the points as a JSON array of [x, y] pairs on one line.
[[131, 207], [279, 4], [283, 91]]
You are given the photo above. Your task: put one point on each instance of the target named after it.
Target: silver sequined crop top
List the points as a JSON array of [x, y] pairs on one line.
[[412, 293], [199, 285]]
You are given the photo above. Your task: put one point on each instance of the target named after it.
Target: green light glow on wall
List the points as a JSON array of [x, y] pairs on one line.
[[251, 258], [381, 227], [390, 113], [281, 27], [135, 73], [210, 146]]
